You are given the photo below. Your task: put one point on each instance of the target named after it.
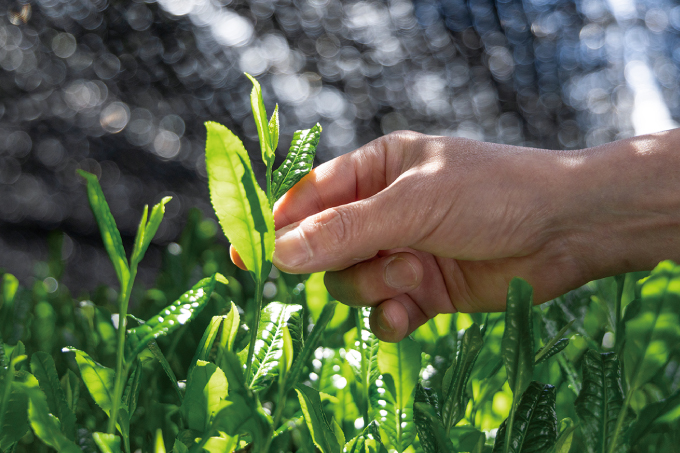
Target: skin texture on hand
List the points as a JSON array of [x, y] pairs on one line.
[[416, 225]]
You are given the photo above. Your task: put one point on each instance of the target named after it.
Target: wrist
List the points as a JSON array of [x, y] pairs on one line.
[[622, 204]]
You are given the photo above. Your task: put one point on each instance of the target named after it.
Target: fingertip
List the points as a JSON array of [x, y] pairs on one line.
[[390, 321], [236, 258]]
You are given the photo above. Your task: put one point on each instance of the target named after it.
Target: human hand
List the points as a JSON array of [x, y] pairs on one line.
[[415, 225]]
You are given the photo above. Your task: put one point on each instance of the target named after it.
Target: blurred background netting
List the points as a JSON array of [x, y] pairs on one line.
[[122, 88]]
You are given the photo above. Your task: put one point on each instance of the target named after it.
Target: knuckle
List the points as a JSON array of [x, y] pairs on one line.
[[336, 226]]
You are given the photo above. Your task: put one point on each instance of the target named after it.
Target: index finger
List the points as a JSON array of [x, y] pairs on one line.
[[354, 176]]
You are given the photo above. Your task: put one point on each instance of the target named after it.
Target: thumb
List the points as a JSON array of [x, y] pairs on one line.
[[343, 235]]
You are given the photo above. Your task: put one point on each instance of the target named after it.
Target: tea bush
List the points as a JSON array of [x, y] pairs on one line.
[[263, 361]]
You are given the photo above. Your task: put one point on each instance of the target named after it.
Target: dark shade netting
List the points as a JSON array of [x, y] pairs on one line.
[[122, 88]]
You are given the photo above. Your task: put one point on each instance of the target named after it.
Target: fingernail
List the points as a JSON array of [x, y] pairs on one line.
[[291, 249], [399, 273], [384, 323]]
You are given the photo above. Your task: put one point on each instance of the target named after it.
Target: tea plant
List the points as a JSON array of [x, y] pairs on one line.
[[282, 367]]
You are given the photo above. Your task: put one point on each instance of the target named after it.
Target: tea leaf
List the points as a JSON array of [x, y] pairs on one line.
[[311, 344], [466, 438], [206, 387], [299, 160], [172, 317], [45, 426], [565, 438], [107, 226], [269, 344], [653, 334], [260, 115], [431, 432], [241, 206], [147, 230], [545, 353], [535, 426], [131, 392], [517, 347], [13, 406], [71, 387], [158, 354], [600, 401], [322, 432], [206, 343], [107, 443], [287, 353], [399, 364], [100, 382], [10, 285], [456, 377], [650, 414], [230, 326], [274, 129], [239, 414], [43, 368]]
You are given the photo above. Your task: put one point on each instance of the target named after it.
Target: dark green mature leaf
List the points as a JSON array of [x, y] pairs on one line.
[[241, 206], [179, 447], [650, 414], [517, 347], [107, 443], [456, 378], [158, 354], [269, 345], [260, 115], [233, 370], [299, 160], [107, 227], [600, 401], [431, 432], [206, 387], [43, 368], [653, 334], [535, 426], [172, 317], [399, 364], [45, 426], [322, 431], [147, 230], [311, 344]]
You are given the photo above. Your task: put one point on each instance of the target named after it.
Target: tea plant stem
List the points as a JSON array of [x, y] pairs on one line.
[[270, 196], [277, 415], [254, 327], [121, 368]]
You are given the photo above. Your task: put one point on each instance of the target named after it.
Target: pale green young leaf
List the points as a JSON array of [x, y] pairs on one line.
[[43, 368], [399, 364], [286, 353], [313, 341], [172, 317], [71, 387], [147, 230], [274, 129], [269, 344], [321, 431], [158, 354], [454, 401], [207, 340], [240, 413], [230, 326], [206, 387], [566, 436], [299, 160], [242, 208], [260, 116], [107, 226], [107, 443]]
